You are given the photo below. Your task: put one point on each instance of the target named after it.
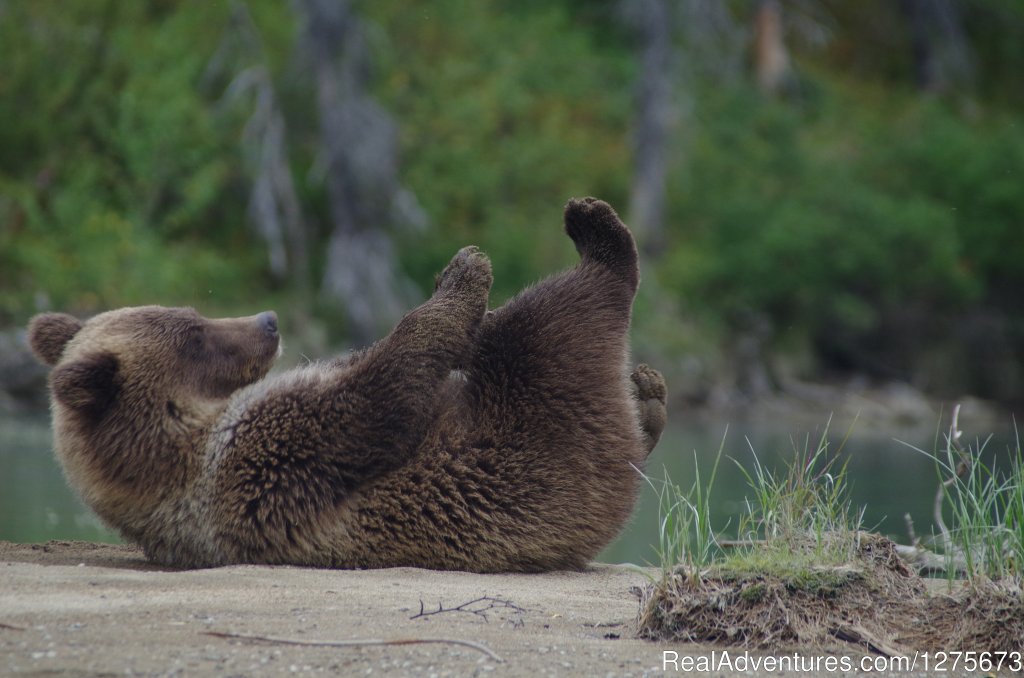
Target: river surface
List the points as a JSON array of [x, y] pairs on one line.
[[888, 479]]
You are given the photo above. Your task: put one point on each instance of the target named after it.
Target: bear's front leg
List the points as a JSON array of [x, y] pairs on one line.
[[292, 457], [439, 334], [381, 403], [397, 383], [384, 402]]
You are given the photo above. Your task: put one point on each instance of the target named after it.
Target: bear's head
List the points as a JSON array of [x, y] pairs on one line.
[[161, 356], [135, 390]]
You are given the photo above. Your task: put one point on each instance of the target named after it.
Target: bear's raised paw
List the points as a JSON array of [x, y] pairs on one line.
[[469, 271]]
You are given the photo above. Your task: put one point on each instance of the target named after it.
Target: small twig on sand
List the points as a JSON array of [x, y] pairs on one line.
[[11, 627], [363, 642], [491, 604]]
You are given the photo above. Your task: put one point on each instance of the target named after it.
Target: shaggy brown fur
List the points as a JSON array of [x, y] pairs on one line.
[[465, 439]]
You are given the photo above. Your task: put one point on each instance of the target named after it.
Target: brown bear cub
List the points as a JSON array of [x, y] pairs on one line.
[[493, 441]]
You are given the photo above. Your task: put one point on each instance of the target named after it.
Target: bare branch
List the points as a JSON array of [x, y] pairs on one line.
[[927, 562], [962, 469], [489, 604], [911, 534]]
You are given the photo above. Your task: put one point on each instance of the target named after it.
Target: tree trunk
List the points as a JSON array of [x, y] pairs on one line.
[[274, 206], [771, 60], [359, 157], [940, 52], [654, 119]]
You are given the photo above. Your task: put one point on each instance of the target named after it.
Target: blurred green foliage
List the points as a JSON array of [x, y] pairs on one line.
[[116, 183], [507, 109], [861, 217]]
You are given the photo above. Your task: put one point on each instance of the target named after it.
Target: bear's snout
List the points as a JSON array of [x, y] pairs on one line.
[[237, 352], [268, 322]]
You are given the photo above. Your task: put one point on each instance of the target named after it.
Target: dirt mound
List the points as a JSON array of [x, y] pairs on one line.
[[984, 617], [874, 602]]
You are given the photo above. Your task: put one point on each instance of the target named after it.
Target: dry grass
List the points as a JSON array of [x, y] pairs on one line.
[[874, 602], [984, 616]]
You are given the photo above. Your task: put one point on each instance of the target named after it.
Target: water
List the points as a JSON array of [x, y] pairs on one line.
[[888, 479], [36, 503]]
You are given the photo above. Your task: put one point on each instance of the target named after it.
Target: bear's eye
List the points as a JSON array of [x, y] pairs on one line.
[[173, 411]]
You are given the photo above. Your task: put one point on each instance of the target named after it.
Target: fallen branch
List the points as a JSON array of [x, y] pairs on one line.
[[914, 554], [11, 627], [363, 642], [861, 636], [741, 543], [491, 604], [928, 562]]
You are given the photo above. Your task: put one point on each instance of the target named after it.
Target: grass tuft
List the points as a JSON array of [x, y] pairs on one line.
[[685, 535], [984, 538], [801, 518]]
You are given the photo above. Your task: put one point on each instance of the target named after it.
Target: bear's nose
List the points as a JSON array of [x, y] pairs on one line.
[[268, 321]]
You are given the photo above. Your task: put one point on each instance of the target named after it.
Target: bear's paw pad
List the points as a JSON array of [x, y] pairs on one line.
[[596, 230]]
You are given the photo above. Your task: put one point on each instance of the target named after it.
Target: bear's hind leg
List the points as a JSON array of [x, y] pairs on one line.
[[554, 423], [559, 348]]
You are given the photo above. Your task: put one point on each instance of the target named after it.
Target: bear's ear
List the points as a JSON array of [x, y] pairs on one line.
[[88, 385], [48, 333]]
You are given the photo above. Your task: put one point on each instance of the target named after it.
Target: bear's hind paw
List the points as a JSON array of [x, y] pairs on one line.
[[599, 234], [651, 393]]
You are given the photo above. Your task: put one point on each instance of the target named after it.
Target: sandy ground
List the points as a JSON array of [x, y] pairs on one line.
[[80, 609], [72, 608]]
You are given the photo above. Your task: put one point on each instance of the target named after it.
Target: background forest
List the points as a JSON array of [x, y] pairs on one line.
[[822, 188]]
